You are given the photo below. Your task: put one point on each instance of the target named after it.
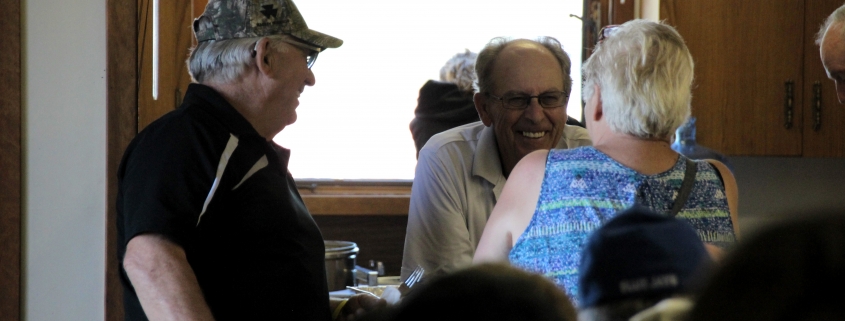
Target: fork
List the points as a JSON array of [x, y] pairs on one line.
[[412, 279], [360, 290]]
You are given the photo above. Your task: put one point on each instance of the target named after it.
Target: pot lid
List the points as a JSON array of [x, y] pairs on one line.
[[341, 246]]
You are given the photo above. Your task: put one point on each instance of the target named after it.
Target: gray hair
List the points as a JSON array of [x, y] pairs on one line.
[[460, 70], [645, 73], [487, 59], [224, 61], [838, 15]]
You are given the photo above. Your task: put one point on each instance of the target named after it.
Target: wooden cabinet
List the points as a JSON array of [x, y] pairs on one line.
[[175, 38], [756, 65]]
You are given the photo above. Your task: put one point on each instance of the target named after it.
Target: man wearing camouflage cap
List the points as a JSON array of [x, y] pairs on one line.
[[210, 223]]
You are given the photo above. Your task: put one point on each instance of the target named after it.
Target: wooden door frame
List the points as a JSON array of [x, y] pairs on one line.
[[122, 118], [122, 123], [10, 159]]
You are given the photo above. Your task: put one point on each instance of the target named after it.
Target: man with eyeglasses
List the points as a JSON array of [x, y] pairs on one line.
[[831, 41], [521, 94], [210, 223]]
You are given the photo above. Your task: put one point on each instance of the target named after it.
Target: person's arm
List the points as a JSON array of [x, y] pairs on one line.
[[164, 281], [730, 192], [437, 237], [514, 210], [716, 253]]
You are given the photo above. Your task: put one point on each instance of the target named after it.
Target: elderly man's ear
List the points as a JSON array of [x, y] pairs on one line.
[[262, 52], [481, 106]]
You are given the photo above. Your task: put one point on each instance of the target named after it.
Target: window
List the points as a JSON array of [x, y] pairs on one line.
[[353, 124]]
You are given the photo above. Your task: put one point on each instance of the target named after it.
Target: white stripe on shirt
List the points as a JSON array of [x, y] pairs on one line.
[[261, 163], [221, 167]]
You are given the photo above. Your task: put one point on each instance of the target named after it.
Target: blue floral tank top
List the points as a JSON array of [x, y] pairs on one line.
[[583, 188]]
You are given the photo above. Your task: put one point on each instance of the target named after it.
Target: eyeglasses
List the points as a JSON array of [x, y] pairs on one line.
[[311, 51], [607, 31], [551, 99]]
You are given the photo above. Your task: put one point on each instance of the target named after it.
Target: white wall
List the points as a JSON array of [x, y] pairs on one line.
[[64, 166]]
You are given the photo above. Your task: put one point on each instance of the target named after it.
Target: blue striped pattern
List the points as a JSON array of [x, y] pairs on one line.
[[584, 188]]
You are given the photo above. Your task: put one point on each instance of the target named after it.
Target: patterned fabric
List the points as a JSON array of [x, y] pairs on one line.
[[233, 19], [584, 188], [456, 184]]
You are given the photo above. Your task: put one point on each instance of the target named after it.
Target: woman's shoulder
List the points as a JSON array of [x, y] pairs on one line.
[[710, 169], [576, 154]]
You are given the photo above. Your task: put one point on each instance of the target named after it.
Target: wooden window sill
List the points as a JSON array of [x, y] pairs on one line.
[[332, 197]]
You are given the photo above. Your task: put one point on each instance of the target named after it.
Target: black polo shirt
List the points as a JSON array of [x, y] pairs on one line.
[[203, 177]]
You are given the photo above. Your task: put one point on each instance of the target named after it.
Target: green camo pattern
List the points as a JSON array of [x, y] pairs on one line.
[[232, 19]]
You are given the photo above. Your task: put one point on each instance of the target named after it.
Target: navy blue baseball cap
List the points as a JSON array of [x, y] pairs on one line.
[[640, 254]]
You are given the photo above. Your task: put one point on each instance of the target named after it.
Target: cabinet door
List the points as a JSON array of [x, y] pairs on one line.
[[827, 138], [744, 52], [175, 40]]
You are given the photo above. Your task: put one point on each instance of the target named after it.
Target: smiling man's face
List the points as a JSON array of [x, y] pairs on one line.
[[526, 68], [832, 51], [290, 75]]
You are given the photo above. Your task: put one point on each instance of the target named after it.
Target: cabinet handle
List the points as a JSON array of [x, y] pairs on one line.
[[788, 101], [817, 105]]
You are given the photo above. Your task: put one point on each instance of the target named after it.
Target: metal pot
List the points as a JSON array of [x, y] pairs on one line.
[[340, 264]]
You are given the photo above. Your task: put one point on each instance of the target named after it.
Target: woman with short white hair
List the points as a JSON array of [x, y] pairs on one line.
[[637, 92]]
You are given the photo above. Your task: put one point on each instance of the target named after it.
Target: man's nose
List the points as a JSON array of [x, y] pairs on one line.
[[840, 91], [310, 80], [534, 111]]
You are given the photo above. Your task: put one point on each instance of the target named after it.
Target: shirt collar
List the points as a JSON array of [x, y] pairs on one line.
[[218, 107], [488, 165]]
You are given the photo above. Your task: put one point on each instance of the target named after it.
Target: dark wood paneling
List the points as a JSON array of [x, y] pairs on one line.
[[356, 198], [667, 12], [10, 160], [600, 13], [358, 205], [621, 11], [175, 40], [738, 98], [122, 95], [379, 237]]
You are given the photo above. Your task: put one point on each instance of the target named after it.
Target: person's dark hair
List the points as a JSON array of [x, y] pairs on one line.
[[487, 59], [791, 270], [617, 311], [491, 291]]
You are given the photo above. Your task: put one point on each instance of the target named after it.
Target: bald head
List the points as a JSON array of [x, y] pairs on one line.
[[831, 41], [516, 70], [488, 57]]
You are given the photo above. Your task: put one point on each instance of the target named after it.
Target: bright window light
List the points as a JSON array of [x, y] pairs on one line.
[[353, 124]]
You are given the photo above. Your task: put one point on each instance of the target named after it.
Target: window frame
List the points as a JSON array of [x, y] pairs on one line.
[[355, 197]]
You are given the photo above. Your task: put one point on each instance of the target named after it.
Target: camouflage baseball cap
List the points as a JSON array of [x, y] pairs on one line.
[[231, 19]]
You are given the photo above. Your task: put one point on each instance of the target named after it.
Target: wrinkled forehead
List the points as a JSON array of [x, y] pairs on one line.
[[522, 58], [515, 53]]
